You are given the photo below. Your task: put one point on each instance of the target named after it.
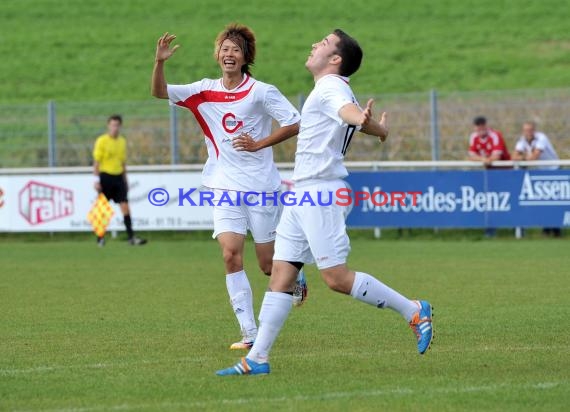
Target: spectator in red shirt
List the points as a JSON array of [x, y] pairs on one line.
[[485, 144]]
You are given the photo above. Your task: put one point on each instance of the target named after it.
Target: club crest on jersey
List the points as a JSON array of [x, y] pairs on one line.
[[230, 123]]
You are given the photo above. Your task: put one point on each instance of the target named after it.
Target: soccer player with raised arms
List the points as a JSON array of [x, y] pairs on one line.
[[317, 234], [235, 113]]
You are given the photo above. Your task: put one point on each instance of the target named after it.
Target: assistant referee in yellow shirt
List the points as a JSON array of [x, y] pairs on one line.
[[110, 156]]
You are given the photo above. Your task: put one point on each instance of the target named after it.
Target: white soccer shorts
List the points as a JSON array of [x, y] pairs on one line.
[[261, 220], [314, 234]]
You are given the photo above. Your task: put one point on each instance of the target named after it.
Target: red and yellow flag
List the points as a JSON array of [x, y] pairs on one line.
[[100, 215]]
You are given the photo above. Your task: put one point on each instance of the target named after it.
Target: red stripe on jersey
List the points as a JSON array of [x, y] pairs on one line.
[[192, 104], [211, 96], [244, 81]]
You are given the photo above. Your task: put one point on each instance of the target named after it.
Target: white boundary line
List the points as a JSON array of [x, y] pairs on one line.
[[339, 353], [101, 365], [398, 391]]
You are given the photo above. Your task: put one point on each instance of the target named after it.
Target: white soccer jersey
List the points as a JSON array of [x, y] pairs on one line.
[[324, 137], [541, 143], [223, 115]]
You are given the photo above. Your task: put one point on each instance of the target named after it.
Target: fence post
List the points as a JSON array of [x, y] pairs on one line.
[[434, 125], [173, 135], [434, 131], [52, 160]]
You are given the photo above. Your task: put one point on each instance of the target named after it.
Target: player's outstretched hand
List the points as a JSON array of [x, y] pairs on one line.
[[384, 123], [245, 143], [367, 113], [163, 50]]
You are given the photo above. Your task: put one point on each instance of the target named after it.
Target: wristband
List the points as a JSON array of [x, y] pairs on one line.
[[96, 179]]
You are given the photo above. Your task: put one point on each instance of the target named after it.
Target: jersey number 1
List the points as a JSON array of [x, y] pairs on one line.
[[347, 138]]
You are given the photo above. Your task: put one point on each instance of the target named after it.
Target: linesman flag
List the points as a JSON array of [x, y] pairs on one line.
[[100, 215]]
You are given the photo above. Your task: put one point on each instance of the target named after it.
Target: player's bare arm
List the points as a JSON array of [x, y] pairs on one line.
[[374, 127], [352, 114], [245, 143], [163, 53]]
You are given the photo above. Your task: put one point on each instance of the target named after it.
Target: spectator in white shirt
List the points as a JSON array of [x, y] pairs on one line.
[[533, 145]]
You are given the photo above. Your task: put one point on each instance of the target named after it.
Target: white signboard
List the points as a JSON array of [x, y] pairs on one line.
[[51, 203], [60, 202]]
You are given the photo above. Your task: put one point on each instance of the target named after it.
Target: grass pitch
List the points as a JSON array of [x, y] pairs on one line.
[[104, 50], [120, 328]]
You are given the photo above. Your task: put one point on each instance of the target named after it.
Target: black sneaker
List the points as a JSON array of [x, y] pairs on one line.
[[137, 241], [100, 241]]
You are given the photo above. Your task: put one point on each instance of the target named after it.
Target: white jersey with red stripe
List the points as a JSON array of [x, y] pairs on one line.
[[324, 137], [225, 114]]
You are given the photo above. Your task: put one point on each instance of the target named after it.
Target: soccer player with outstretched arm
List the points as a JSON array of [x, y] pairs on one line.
[[309, 234], [235, 113]]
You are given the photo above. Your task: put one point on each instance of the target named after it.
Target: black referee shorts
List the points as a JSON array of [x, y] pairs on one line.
[[113, 187]]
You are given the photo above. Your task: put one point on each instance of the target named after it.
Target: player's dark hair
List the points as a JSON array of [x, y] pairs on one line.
[[244, 37], [480, 121], [116, 117], [350, 52]]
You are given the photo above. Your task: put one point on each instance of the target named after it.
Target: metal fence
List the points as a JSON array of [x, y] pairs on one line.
[[424, 126]]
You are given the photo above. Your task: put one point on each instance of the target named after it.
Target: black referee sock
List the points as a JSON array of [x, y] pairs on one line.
[[129, 226]]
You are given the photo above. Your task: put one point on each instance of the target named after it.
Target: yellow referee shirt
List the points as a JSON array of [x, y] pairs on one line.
[[110, 153]]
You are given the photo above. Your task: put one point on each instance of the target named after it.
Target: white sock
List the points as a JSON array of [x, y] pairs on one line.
[[368, 289], [241, 298], [274, 310]]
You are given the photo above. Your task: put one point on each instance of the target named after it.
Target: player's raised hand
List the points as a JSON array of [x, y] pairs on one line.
[[384, 123], [163, 49], [244, 143], [367, 113]]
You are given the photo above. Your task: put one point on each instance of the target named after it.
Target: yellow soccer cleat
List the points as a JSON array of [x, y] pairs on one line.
[[244, 344]]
